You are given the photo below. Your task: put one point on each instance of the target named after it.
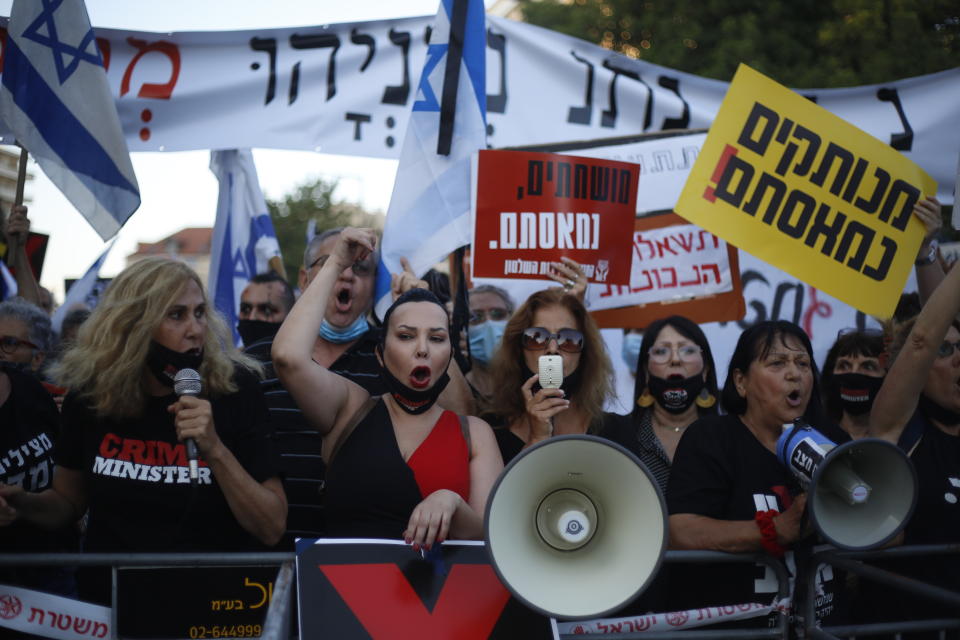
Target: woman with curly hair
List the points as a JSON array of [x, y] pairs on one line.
[[121, 456], [550, 322]]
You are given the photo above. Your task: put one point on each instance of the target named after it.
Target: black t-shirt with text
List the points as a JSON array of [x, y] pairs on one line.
[[139, 493], [720, 470], [29, 425]]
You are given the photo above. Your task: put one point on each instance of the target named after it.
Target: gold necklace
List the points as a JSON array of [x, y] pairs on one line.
[[674, 429]]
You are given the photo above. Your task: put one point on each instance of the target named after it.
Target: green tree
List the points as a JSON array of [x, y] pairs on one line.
[[799, 43], [312, 200]]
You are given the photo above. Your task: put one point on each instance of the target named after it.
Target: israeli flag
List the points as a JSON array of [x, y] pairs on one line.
[[85, 292], [8, 284], [244, 242], [429, 212], [56, 101]]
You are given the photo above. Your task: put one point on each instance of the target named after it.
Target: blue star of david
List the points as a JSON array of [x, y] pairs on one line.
[[240, 266], [61, 50], [435, 53]]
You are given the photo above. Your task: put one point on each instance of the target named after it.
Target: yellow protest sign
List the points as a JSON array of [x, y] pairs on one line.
[[809, 193]]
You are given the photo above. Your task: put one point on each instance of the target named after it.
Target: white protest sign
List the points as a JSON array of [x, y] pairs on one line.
[[670, 263]]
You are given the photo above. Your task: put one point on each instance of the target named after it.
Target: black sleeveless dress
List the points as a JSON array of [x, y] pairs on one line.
[[371, 490]]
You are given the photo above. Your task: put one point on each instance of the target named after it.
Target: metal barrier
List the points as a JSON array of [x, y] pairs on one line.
[[691, 557], [851, 561], [276, 626], [277, 623]]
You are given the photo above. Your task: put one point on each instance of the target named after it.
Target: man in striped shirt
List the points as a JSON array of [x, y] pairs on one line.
[[345, 346]]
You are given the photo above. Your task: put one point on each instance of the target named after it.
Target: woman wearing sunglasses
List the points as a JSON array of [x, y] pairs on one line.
[[676, 383], [550, 322], [918, 407]]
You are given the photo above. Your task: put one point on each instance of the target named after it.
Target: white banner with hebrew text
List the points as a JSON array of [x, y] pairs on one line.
[[348, 89]]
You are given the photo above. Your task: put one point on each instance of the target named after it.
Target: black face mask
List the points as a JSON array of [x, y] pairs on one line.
[[934, 411], [855, 392], [164, 363], [21, 367], [677, 394], [413, 401], [255, 330]]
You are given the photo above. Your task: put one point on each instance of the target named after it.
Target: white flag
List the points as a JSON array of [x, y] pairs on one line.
[[56, 100], [244, 242], [83, 293], [429, 212]]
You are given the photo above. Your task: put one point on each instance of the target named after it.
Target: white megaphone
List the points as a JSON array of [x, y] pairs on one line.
[[576, 527], [860, 494]]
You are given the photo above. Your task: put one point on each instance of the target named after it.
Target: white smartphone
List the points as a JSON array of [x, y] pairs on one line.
[[551, 372]]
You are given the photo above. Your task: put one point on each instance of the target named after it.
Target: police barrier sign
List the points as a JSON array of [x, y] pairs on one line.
[[533, 208], [796, 186], [367, 589]]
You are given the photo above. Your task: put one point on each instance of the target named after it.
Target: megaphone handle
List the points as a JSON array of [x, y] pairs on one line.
[[804, 523]]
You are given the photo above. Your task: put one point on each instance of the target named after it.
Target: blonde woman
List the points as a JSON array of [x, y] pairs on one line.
[[121, 453]]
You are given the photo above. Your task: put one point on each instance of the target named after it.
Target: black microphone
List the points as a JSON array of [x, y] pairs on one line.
[[187, 383]]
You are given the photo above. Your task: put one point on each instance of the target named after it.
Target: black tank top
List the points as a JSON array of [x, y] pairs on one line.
[[370, 490]]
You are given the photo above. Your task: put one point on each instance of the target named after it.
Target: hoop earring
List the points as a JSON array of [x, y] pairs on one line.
[[705, 399], [645, 399]]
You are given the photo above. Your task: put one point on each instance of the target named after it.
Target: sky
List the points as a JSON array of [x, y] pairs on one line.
[[177, 189]]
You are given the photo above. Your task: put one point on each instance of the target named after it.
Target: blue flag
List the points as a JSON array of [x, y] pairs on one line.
[[244, 242], [429, 212], [8, 284], [56, 101]]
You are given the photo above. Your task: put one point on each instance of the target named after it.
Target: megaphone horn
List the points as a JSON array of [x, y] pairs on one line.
[[576, 527], [861, 493]]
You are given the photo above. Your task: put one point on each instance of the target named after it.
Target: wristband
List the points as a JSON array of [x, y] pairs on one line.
[[931, 256], [768, 532]]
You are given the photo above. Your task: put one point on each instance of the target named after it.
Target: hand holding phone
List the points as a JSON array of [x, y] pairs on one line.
[[551, 372]]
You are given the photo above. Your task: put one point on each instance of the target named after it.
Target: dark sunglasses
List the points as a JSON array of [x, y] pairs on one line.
[[947, 348], [537, 338], [9, 344], [360, 269]]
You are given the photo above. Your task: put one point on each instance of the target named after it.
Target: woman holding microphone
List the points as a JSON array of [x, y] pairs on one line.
[[121, 456]]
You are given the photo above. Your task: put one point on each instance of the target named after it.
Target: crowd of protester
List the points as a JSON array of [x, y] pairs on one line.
[[332, 423]]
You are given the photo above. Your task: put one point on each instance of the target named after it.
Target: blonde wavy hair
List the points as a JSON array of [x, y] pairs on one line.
[[107, 363], [596, 384]]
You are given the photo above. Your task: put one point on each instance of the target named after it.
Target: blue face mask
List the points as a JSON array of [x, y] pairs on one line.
[[630, 350], [485, 339], [337, 335]]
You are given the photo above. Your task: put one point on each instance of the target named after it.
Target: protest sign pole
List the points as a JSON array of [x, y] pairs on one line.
[[21, 177], [955, 218]]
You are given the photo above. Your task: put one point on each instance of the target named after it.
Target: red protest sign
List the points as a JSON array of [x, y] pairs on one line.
[[534, 208]]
